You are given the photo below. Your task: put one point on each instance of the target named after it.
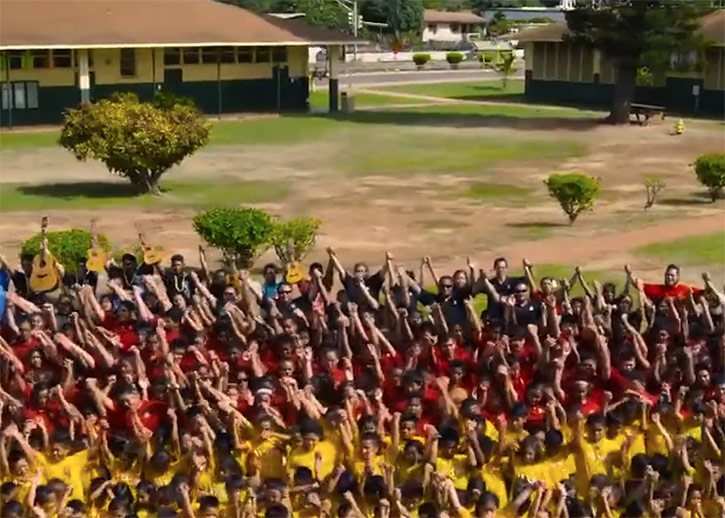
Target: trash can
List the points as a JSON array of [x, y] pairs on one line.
[[347, 102]]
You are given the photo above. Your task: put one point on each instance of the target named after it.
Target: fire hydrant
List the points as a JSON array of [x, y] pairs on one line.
[[679, 127]]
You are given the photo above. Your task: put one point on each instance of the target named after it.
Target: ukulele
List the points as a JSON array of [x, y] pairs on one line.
[[151, 254], [295, 273], [44, 276], [95, 257]]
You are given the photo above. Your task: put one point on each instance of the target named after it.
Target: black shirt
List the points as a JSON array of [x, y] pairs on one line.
[[374, 283], [495, 311]]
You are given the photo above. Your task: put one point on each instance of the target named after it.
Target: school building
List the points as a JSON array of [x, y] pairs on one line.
[[55, 54], [557, 71]]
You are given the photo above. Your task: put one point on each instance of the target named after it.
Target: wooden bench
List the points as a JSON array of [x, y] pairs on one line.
[[646, 111]]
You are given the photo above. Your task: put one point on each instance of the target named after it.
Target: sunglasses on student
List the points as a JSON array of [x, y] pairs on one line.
[[446, 286], [285, 292], [520, 291]]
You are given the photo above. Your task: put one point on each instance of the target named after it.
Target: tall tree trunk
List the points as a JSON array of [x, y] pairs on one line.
[[623, 91]]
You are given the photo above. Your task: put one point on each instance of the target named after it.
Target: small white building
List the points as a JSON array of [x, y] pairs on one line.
[[451, 25]]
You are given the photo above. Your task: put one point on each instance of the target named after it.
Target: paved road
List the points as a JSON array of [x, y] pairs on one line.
[[376, 78]]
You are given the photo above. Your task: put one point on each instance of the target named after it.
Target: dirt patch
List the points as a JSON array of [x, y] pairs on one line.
[[424, 214]]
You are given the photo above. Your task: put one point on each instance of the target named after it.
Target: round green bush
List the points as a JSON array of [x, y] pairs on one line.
[[710, 171], [454, 57], [421, 58], [241, 233], [487, 58], [575, 192], [67, 246]]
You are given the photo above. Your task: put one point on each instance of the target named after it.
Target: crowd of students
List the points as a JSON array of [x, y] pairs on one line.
[[147, 391]]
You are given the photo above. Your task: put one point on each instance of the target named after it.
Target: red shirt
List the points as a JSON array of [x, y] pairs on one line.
[[22, 349], [657, 292]]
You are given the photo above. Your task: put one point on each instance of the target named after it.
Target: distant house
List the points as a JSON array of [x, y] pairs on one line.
[[55, 54], [557, 71], [451, 25]]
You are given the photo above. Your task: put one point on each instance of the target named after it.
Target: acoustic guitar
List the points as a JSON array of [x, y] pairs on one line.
[[95, 257], [44, 276], [151, 254]]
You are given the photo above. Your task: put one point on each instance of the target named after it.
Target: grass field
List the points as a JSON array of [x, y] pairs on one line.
[[692, 251], [90, 195], [472, 90], [321, 99], [300, 128]]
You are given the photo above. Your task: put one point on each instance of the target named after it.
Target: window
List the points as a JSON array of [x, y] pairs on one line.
[[191, 56], [172, 56], [62, 58], [245, 55], [22, 95], [15, 59], [455, 27], [209, 55], [227, 55], [263, 55], [128, 62], [432, 27], [279, 55], [31, 94], [41, 58]]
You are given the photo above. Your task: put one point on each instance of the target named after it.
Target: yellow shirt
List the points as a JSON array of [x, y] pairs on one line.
[[456, 468], [70, 470], [301, 458], [559, 467], [593, 460], [493, 478], [271, 456]]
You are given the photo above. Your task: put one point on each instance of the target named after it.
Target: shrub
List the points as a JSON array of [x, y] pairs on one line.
[[575, 192], [135, 140], [241, 233], [505, 66], [67, 246], [421, 58], [454, 57], [293, 239], [487, 58], [166, 100], [653, 184], [710, 171]]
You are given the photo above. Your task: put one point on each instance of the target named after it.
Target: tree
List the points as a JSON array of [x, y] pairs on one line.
[[241, 233], [402, 16], [710, 171], [632, 33], [293, 239], [323, 13], [653, 184], [505, 66], [135, 140], [575, 192], [67, 246]]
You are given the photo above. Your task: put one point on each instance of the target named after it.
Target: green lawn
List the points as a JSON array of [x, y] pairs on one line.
[[89, 195], [473, 90], [491, 113], [409, 152], [485, 191], [18, 139], [693, 251], [321, 99]]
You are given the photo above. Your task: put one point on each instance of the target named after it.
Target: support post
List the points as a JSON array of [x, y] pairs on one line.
[[84, 76], [333, 55]]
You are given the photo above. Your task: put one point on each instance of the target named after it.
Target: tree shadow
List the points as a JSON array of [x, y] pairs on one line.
[[72, 190], [466, 120], [533, 224], [696, 198]]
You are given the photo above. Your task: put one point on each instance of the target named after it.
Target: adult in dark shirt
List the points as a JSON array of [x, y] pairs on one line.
[[177, 280], [82, 276], [361, 287], [128, 273], [20, 277], [501, 284]]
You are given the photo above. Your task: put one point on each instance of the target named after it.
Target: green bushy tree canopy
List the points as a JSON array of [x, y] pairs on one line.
[[135, 140], [575, 192]]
